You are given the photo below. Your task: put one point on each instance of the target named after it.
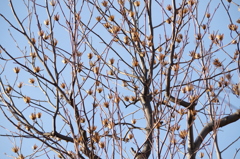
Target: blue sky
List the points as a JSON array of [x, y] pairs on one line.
[[219, 24]]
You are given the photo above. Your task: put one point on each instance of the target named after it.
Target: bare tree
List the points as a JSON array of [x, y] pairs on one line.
[[119, 78]]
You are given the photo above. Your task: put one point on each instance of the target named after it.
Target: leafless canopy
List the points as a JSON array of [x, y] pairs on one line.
[[119, 78]]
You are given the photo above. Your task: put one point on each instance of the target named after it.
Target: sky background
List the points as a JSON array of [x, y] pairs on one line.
[[220, 24]]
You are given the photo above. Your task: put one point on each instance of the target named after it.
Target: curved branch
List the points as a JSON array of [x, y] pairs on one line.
[[211, 125]]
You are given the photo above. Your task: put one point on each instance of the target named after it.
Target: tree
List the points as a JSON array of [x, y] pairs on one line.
[[120, 79]]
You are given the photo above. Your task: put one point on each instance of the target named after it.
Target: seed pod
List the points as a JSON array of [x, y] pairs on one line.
[[46, 22], [137, 3], [26, 99], [56, 17]]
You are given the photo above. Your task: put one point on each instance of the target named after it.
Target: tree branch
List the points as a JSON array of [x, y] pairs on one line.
[[210, 126]]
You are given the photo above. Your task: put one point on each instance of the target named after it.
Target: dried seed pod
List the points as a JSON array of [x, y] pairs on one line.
[[92, 128], [32, 116], [233, 27], [159, 49], [174, 141], [111, 125], [21, 156], [53, 3], [191, 2], [105, 3], [185, 10], [89, 92], [193, 98], [133, 121], [63, 85], [212, 37], [193, 112], [110, 96], [169, 20], [184, 90], [90, 55], [16, 70], [110, 72], [220, 37], [111, 18], [124, 83], [45, 57], [39, 115], [142, 54], [99, 90], [130, 136], [106, 104], [182, 111], [26, 99], [169, 7], [208, 15], [133, 98], [31, 80], [126, 40], [101, 144], [143, 43], [20, 85], [189, 87], [217, 63], [183, 134], [77, 16], [34, 147], [234, 41], [82, 120], [27, 128], [33, 54], [215, 100], [158, 124], [149, 38], [201, 153], [15, 149], [150, 44], [117, 99], [204, 26], [135, 63], [126, 98], [131, 14], [55, 42], [56, 17], [180, 36], [161, 57], [228, 76], [40, 33], [45, 36], [97, 83], [96, 70], [198, 36], [65, 61], [137, 3], [106, 25], [105, 122], [46, 22], [36, 69], [238, 21], [96, 137], [111, 61], [236, 89]]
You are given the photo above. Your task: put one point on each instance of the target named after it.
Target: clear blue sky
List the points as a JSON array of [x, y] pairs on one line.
[[220, 24]]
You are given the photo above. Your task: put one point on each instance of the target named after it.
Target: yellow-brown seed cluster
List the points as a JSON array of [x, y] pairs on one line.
[[233, 27], [16, 69], [217, 63], [26, 99], [183, 134]]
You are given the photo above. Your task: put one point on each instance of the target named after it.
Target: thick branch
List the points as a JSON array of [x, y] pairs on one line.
[[210, 126]]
